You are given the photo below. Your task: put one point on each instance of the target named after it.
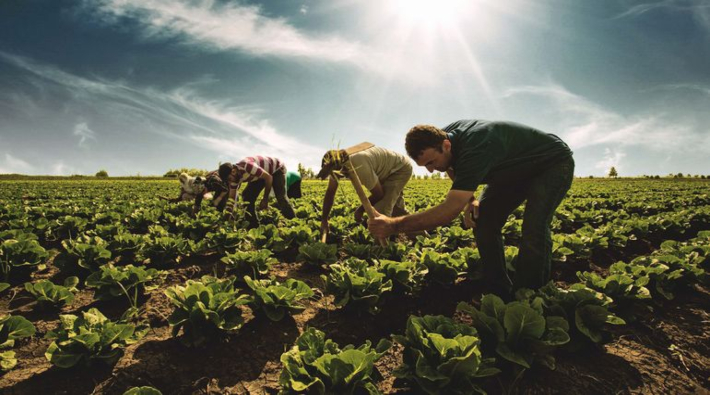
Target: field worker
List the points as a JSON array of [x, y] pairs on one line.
[[518, 164], [259, 173], [293, 185], [383, 172], [197, 188]]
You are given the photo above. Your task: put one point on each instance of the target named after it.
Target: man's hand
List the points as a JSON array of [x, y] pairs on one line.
[[470, 213], [359, 213], [264, 203], [381, 226]]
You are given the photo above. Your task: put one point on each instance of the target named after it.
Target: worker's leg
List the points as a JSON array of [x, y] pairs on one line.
[[249, 195], [544, 195], [496, 204], [279, 186]]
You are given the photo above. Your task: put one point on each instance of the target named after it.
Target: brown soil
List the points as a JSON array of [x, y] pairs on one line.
[[665, 352]]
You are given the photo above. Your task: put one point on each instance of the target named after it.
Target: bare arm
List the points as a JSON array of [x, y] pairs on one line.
[[383, 226], [450, 173], [329, 198]]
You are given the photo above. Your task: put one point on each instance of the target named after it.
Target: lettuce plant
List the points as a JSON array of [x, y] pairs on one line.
[[354, 281], [111, 281], [49, 294], [205, 308], [24, 252], [443, 268], [11, 329], [277, 299], [442, 357], [318, 253], [628, 293], [142, 391], [256, 263], [126, 245], [83, 253], [90, 338], [518, 331], [161, 250], [407, 276], [267, 237], [316, 365], [586, 310]]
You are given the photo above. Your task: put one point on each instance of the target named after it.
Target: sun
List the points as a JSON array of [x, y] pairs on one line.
[[426, 13]]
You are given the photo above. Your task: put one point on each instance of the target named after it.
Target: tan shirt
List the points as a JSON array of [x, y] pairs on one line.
[[377, 164]]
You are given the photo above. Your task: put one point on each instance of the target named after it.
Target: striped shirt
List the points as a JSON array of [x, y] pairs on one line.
[[252, 167]]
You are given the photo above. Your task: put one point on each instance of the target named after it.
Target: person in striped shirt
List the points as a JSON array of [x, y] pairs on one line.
[[259, 173]]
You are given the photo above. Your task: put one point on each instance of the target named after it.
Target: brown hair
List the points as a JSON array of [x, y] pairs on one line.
[[421, 137]]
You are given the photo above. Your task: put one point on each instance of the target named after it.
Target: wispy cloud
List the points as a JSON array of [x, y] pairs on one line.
[[84, 133], [224, 26], [612, 158], [584, 123], [12, 165], [178, 114], [699, 9]]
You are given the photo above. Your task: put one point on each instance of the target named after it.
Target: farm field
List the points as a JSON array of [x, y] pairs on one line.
[[119, 289]]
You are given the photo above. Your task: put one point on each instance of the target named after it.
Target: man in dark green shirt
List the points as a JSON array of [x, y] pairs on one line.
[[518, 164]]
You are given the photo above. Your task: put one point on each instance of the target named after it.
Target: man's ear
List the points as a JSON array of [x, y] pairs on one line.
[[446, 145]]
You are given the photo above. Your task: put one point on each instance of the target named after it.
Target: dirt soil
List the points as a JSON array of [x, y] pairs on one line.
[[666, 351]]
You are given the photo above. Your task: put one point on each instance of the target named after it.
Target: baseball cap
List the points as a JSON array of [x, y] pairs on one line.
[[332, 160]]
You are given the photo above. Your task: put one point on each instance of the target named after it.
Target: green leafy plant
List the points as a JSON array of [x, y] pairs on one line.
[[443, 268], [518, 331], [83, 253], [205, 308], [24, 252], [267, 237], [318, 254], [586, 310], [89, 339], [277, 299], [162, 250], [49, 294], [407, 276], [143, 391], [442, 356], [628, 293], [126, 245], [354, 281], [12, 328], [112, 282], [316, 365], [256, 263]]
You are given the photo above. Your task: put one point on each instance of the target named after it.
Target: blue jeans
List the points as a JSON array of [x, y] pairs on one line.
[[542, 194]]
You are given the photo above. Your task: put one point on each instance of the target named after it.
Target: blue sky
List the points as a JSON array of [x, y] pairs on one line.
[[143, 86]]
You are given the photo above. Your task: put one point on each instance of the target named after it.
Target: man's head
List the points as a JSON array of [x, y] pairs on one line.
[[430, 147], [333, 160], [225, 169]]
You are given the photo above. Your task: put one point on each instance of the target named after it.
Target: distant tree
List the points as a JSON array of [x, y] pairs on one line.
[[436, 176], [591, 176], [102, 174], [679, 175], [302, 171], [613, 173], [425, 177]]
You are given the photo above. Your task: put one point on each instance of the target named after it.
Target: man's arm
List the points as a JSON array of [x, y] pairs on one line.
[[383, 226], [329, 198], [198, 204], [450, 173], [269, 180]]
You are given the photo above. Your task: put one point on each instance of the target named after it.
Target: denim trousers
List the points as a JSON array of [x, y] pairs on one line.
[[254, 188], [541, 194]]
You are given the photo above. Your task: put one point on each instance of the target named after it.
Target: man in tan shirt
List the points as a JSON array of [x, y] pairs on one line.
[[383, 172]]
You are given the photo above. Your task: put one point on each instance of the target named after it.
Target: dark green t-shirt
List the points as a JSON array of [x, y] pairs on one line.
[[487, 152]]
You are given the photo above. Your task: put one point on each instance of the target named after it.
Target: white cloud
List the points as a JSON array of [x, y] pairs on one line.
[[612, 158], [230, 26], [85, 134], [178, 114], [699, 9], [584, 123], [304, 9], [12, 165]]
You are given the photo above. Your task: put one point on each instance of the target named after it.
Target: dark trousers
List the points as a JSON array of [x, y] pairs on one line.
[[294, 191], [542, 194], [254, 188]]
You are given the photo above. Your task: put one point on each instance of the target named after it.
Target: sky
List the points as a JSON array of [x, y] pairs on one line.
[[138, 87]]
